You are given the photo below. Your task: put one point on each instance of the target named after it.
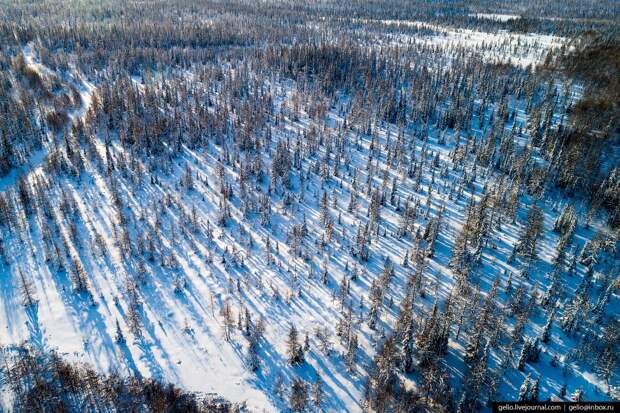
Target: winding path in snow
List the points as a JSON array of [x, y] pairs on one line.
[[34, 165]]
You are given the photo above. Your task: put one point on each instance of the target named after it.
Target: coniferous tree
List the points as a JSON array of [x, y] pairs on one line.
[[531, 233], [382, 380], [294, 350], [298, 399], [318, 394], [119, 337], [524, 390]]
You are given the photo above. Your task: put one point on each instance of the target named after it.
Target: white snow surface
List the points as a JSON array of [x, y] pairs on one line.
[[496, 16], [183, 338], [519, 49]]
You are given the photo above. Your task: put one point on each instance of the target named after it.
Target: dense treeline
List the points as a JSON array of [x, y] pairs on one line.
[[453, 206], [594, 121], [45, 382]]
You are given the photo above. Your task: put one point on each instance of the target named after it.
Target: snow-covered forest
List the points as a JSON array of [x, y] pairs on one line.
[[386, 206]]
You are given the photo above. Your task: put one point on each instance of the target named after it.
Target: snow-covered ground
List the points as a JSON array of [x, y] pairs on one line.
[[519, 49], [35, 161], [494, 16], [183, 289]]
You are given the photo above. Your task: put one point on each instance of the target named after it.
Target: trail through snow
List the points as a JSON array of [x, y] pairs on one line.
[[35, 162]]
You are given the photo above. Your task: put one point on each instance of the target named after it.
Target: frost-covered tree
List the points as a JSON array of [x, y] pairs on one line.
[[294, 350], [298, 398]]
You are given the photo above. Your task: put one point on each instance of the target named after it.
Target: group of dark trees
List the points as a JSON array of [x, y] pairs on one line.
[[36, 381], [318, 148]]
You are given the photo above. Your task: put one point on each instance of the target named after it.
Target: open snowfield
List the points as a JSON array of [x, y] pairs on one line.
[[519, 49]]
